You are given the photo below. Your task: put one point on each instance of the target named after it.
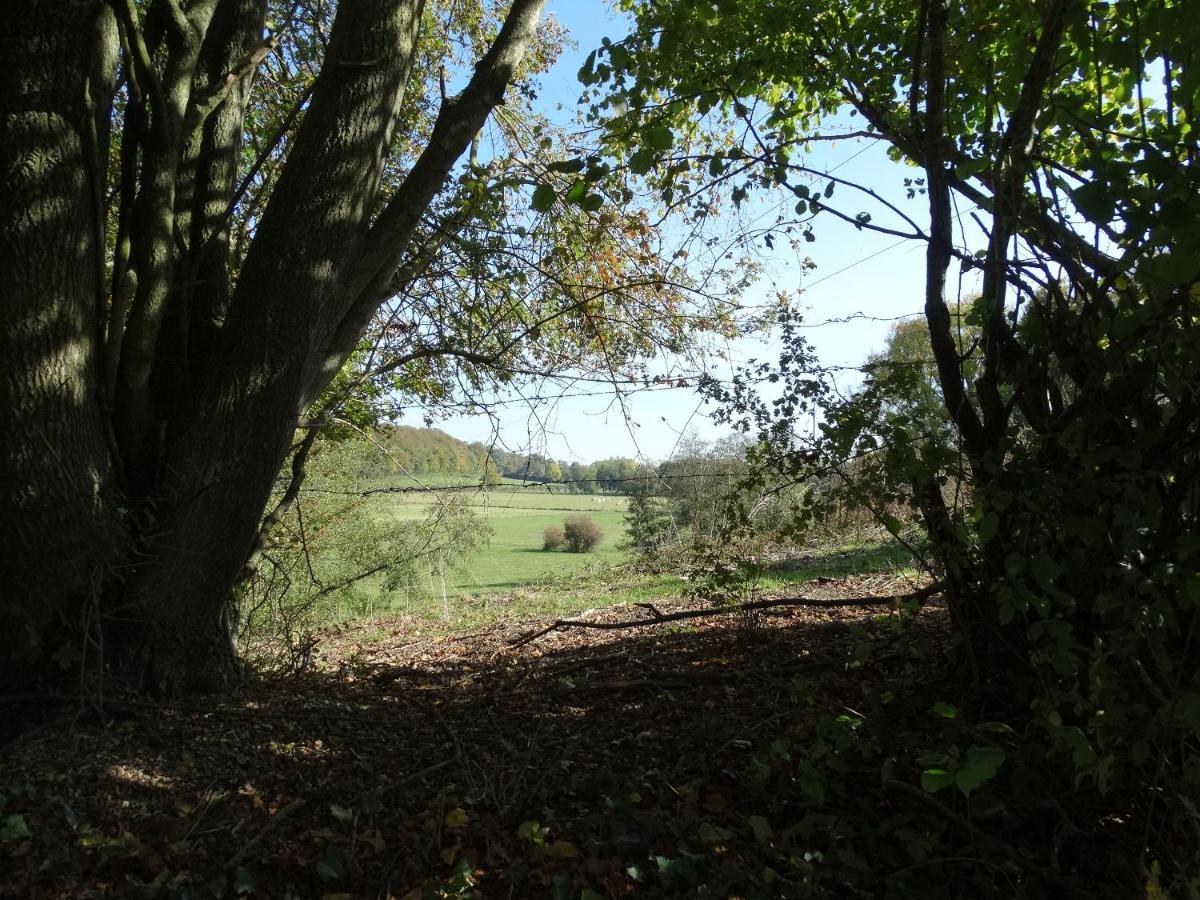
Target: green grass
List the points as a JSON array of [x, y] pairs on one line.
[[840, 562], [517, 496], [513, 577], [514, 557]]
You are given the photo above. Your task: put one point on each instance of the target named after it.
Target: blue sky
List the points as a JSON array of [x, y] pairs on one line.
[[860, 275]]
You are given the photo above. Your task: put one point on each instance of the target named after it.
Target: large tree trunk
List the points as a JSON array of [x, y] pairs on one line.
[[223, 454], [206, 381], [57, 487]]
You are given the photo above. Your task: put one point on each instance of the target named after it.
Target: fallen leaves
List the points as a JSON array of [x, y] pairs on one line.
[[588, 766]]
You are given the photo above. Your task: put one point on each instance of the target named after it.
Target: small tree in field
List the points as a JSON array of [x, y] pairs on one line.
[[553, 538], [581, 534], [649, 525]]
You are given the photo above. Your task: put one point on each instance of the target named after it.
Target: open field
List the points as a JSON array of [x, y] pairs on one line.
[[512, 574], [514, 556]]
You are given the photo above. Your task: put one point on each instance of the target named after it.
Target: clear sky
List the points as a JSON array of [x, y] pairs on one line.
[[862, 277]]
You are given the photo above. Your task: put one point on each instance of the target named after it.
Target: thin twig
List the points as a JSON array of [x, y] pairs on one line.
[[270, 825]]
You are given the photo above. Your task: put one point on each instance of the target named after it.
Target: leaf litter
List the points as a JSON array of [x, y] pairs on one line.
[[585, 763]]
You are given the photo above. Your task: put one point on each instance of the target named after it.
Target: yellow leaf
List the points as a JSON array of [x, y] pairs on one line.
[[561, 850], [457, 819], [341, 813]]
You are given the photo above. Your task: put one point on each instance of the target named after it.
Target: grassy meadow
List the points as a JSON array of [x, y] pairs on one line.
[[511, 576], [518, 516]]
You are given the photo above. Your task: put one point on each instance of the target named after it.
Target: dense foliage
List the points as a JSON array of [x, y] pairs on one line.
[[1059, 490]]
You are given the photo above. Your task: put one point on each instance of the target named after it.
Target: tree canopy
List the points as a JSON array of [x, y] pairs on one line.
[[1062, 510]]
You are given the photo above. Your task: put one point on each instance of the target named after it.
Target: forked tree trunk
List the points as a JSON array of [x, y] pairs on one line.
[[143, 506], [223, 453]]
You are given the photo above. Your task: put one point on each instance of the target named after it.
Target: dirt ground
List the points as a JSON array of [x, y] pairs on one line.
[[584, 763]]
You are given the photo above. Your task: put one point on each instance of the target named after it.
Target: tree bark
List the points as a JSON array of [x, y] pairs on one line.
[[58, 521], [207, 383], [223, 453]]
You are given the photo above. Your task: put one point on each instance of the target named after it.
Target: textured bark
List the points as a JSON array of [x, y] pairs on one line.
[[154, 259], [223, 457], [207, 174], [206, 385], [56, 491], [459, 121]]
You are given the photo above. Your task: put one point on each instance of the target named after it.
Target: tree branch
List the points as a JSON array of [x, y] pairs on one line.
[[1011, 168], [459, 120], [658, 618], [941, 246], [201, 110]]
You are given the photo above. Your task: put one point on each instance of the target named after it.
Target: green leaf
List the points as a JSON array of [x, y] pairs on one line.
[[945, 710], [1077, 742], [587, 72], [567, 166], [576, 192], [341, 813], [658, 137], [14, 828], [714, 834], [982, 764], [987, 526], [933, 780], [1045, 571], [642, 161], [761, 828], [332, 866], [543, 198], [1172, 268]]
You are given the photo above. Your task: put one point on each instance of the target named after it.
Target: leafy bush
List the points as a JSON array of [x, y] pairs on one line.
[[581, 534], [553, 538]]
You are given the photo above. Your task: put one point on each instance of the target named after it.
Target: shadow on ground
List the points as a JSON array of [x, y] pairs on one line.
[[661, 761]]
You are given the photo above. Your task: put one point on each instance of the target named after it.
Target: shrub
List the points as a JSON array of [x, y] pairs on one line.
[[552, 538], [581, 534]]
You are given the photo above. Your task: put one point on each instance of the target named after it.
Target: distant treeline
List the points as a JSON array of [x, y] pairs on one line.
[[426, 451]]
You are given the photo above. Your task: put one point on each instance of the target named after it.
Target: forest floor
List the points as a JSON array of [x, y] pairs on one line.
[[735, 755]]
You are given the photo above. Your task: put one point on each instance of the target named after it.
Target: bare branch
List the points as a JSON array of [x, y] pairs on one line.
[[658, 618]]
